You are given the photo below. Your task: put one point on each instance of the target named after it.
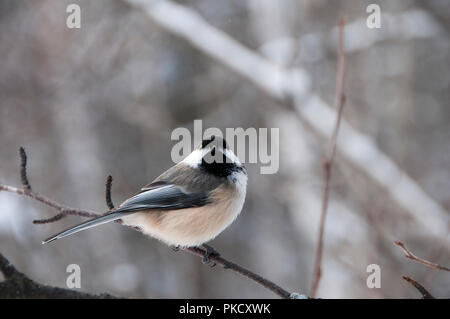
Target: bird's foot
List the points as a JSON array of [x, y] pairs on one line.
[[209, 252], [175, 248]]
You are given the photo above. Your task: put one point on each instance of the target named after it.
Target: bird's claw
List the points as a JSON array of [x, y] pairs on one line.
[[209, 252], [175, 248]]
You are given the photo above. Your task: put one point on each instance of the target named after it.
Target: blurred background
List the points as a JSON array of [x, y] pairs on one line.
[[105, 98]]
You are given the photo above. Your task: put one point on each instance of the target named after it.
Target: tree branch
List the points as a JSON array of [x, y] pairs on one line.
[[109, 201], [410, 255], [17, 285], [64, 211], [419, 287], [340, 101], [23, 169]]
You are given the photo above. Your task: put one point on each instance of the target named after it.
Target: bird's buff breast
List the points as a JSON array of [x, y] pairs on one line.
[[192, 226]]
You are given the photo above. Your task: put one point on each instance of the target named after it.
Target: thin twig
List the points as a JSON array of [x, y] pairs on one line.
[[109, 201], [48, 202], [410, 255], [419, 287], [50, 220], [64, 210], [243, 271], [340, 101], [23, 169]]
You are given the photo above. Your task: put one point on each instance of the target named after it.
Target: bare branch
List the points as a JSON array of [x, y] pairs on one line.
[[6, 268], [340, 101], [23, 169], [109, 201], [243, 271], [410, 255], [419, 287], [50, 220], [17, 285], [64, 210]]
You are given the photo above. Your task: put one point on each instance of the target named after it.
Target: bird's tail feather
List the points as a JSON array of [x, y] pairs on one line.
[[118, 214]]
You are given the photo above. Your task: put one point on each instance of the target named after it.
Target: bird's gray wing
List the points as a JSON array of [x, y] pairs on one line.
[[157, 196], [164, 196]]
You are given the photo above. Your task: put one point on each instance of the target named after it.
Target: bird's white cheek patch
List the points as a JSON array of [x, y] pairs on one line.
[[234, 159], [194, 159]]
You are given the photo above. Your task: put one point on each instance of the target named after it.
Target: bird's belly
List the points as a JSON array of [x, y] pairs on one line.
[[186, 227]]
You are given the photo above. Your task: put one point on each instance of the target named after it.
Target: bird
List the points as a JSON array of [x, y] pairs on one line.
[[189, 204]]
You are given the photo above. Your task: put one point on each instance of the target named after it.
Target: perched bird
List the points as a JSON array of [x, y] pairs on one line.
[[187, 205]]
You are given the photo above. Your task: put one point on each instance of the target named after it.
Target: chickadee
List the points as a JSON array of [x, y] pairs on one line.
[[187, 205]]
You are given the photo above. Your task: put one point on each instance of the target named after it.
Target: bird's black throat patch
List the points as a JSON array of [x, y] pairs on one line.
[[216, 163]]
